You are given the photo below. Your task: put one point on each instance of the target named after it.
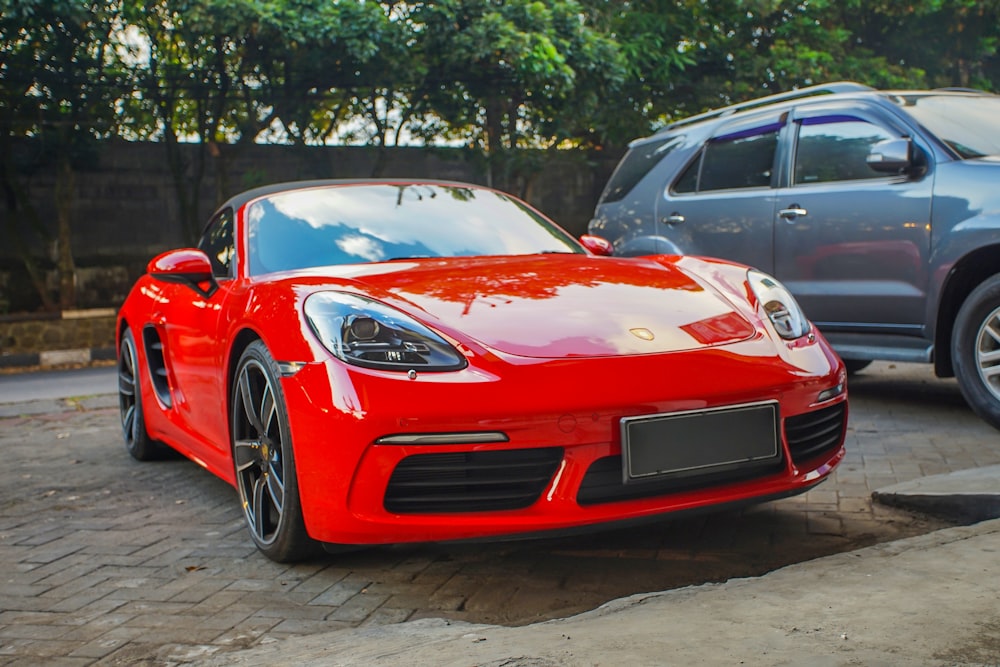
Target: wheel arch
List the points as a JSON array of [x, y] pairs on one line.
[[120, 329], [968, 273], [241, 341]]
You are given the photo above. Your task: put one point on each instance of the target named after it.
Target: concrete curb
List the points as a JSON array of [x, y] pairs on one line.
[[876, 606], [967, 495], [52, 358]]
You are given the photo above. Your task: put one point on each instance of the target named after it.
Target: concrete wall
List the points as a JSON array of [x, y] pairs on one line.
[[126, 211]]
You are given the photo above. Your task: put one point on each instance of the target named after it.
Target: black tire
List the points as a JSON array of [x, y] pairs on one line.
[[856, 365], [975, 350], [137, 440], [264, 460]]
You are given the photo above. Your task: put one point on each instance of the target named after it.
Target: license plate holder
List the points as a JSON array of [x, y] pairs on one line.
[[696, 442]]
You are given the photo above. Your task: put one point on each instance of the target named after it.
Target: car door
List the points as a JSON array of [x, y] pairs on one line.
[[852, 243], [190, 320], [722, 204]]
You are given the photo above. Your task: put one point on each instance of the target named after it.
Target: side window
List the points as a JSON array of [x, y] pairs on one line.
[[740, 160], [217, 242], [835, 148], [638, 162]]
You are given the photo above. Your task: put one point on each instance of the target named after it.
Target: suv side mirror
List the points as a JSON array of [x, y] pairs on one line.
[[187, 266], [891, 156]]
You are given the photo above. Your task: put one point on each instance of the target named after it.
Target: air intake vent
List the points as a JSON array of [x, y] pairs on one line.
[[816, 433], [464, 482], [157, 364], [603, 481]]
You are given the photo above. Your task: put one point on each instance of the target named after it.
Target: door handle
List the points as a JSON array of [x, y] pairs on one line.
[[674, 219], [793, 212]]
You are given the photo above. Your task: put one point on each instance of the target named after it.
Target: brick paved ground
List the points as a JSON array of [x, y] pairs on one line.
[[111, 562]]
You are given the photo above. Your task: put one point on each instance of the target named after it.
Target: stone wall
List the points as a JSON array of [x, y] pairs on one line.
[[125, 208], [72, 337]]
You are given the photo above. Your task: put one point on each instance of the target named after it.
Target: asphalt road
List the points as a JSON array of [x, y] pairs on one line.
[[57, 384]]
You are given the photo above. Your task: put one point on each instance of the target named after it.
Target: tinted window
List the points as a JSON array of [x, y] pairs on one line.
[[742, 160], [374, 223], [217, 243], [836, 149], [635, 165], [970, 124]]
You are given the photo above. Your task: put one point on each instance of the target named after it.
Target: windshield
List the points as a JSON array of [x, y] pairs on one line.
[[351, 224], [969, 124]]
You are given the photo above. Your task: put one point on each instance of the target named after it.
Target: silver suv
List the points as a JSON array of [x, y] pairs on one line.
[[879, 210]]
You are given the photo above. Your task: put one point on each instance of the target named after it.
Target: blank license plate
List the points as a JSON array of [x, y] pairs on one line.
[[697, 441]]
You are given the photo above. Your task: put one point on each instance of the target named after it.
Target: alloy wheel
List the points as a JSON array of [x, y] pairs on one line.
[[258, 452]]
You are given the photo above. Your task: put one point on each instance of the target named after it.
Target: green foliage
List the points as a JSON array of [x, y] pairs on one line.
[[493, 74], [61, 80], [516, 72]]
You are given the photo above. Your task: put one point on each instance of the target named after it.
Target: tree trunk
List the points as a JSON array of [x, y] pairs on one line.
[[21, 214], [65, 190]]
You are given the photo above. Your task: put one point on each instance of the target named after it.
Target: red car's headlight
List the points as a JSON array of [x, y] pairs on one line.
[[364, 332], [779, 305]]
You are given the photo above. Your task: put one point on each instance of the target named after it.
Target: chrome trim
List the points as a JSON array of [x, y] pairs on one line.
[[471, 438]]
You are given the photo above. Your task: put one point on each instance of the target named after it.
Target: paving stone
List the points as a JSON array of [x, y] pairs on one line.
[[110, 561]]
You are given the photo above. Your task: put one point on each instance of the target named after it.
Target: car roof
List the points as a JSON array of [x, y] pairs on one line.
[[835, 90]]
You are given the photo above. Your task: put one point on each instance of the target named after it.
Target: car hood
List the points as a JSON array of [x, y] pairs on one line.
[[556, 306]]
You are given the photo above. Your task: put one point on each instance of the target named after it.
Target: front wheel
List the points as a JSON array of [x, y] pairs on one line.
[[975, 350], [137, 440], [263, 459]]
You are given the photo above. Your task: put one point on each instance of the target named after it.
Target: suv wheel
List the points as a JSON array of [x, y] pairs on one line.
[[975, 350]]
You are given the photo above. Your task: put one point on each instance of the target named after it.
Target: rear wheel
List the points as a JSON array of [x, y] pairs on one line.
[[137, 440], [975, 350], [263, 459]]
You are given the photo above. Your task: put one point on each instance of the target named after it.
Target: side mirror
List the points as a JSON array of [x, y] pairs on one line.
[[597, 245], [187, 266], [892, 156]]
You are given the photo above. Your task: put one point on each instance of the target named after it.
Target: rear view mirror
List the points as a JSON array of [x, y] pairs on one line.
[[892, 156], [188, 266], [597, 245]]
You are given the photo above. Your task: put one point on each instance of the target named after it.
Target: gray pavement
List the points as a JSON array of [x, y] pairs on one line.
[[112, 562], [922, 601], [54, 385]]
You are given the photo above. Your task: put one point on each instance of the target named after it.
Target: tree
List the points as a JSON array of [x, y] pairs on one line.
[[188, 63], [61, 76], [503, 75]]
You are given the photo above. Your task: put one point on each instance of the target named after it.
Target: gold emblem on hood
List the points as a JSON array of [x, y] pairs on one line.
[[640, 332]]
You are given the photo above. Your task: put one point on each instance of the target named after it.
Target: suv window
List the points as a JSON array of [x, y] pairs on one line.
[[738, 160], [217, 243], [835, 148], [969, 124], [637, 163]]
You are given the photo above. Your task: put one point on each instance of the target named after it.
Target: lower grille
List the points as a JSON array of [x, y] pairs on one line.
[[471, 481], [603, 481], [816, 433]]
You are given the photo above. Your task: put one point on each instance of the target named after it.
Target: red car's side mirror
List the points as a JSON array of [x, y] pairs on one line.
[[597, 245], [188, 266]]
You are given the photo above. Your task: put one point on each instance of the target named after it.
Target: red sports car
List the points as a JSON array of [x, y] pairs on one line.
[[392, 361]]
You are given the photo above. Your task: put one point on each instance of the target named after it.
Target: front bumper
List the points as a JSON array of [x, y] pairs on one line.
[[559, 467]]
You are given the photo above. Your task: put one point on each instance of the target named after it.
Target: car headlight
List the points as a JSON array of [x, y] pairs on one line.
[[364, 332], [779, 305]]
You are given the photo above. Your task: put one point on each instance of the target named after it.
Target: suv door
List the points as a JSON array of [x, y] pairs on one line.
[[723, 202], [852, 243]]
